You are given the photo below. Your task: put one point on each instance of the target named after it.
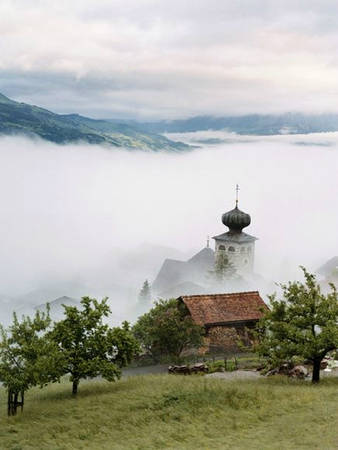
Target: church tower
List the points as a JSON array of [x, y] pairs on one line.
[[239, 247]]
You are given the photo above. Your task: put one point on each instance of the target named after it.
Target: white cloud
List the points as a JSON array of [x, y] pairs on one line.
[[167, 59]]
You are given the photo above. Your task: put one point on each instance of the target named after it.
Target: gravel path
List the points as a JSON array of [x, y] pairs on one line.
[[163, 369], [236, 375]]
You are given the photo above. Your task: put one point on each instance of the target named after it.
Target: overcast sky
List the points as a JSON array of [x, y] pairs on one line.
[[153, 59]]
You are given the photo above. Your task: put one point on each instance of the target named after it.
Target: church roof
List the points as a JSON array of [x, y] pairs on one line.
[[239, 238], [220, 309], [174, 272], [236, 219], [204, 257]]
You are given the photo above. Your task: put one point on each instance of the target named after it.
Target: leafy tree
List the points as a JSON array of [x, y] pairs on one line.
[[167, 329], [145, 293], [27, 357], [304, 323], [90, 347]]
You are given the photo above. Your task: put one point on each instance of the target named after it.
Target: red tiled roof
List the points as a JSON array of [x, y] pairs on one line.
[[222, 308]]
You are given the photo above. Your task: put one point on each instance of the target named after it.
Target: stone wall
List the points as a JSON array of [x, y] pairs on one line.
[[226, 338]]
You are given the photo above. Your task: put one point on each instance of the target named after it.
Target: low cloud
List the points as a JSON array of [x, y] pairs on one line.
[[89, 216]]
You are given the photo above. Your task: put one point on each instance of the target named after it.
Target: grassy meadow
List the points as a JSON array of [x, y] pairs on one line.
[[176, 412]]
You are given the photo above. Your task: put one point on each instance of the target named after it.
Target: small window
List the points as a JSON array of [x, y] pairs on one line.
[[249, 249], [242, 249], [245, 261], [221, 247], [231, 249]]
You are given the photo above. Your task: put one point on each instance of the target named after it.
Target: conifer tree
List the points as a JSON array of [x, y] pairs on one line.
[[145, 293]]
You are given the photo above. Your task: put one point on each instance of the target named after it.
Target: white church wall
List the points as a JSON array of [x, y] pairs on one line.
[[240, 255]]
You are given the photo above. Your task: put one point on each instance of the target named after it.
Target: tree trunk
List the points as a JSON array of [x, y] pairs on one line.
[[22, 400], [12, 404], [316, 370], [15, 403], [9, 403], [75, 385]]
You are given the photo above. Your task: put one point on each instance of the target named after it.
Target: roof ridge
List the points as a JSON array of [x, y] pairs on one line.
[[221, 294]]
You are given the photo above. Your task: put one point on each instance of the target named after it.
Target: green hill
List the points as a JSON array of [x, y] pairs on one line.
[[21, 118]]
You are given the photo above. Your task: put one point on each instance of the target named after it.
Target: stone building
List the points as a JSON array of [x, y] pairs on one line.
[[226, 317]]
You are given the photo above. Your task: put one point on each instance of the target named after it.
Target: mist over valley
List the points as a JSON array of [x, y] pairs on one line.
[[81, 219]]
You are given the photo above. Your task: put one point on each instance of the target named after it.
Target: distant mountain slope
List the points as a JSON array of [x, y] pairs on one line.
[[56, 310], [57, 303], [254, 124], [21, 118]]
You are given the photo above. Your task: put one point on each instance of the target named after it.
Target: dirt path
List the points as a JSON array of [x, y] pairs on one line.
[[236, 375], [146, 370], [250, 374]]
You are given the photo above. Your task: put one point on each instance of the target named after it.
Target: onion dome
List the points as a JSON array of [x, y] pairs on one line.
[[236, 220]]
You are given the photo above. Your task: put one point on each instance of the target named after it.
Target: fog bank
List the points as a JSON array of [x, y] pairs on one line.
[[94, 217]]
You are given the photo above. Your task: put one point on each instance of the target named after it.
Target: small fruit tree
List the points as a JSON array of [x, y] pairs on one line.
[[303, 323], [27, 357], [91, 348]]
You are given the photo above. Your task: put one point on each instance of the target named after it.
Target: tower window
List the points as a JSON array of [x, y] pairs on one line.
[[221, 247], [231, 249], [242, 249], [249, 249]]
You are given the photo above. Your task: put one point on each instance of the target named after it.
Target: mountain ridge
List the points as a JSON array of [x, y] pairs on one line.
[[250, 124], [22, 118]]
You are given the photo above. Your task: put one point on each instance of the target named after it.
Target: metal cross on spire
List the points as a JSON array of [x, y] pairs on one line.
[[237, 190]]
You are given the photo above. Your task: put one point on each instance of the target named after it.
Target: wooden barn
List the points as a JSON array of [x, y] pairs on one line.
[[226, 317]]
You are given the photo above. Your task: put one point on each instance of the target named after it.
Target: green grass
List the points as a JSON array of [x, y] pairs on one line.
[[176, 412]]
